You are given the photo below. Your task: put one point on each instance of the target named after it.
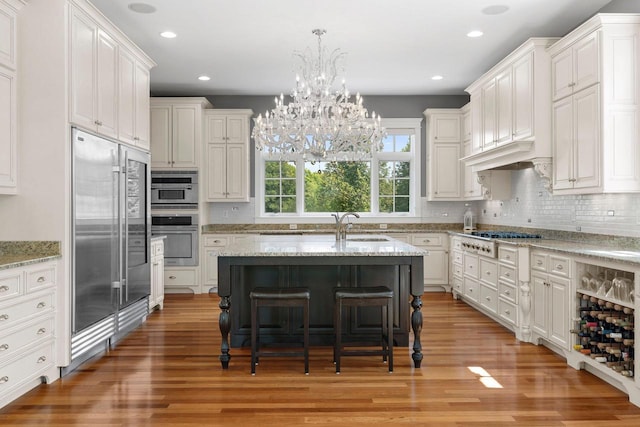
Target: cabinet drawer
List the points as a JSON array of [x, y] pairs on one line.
[[216, 241], [429, 240], [10, 284], [457, 257], [508, 292], [489, 272], [489, 298], [559, 265], [21, 336], [507, 274], [179, 277], [25, 309], [41, 277], [457, 270], [508, 312], [538, 262], [457, 285], [456, 244], [470, 265], [25, 368], [157, 248], [507, 255], [471, 290]]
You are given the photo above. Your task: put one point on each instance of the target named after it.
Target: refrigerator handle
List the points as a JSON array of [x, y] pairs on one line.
[[125, 271]]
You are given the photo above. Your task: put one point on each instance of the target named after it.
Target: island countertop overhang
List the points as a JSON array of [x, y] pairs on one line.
[[319, 245]]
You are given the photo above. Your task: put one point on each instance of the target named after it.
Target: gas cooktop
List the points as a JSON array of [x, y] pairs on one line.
[[505, 235]]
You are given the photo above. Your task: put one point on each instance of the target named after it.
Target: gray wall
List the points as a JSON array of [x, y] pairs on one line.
[[387, 106]]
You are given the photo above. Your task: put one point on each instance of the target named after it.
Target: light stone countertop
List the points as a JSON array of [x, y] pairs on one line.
[[14, 254], [320, 245]]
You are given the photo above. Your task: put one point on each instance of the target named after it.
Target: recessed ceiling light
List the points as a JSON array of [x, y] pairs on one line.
[[204, 78], [141, 8], [168, 34], [475, 33], [497, 9], [437, 77]]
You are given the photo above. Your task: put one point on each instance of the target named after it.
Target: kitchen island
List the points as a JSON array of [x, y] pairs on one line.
[[320, 263]]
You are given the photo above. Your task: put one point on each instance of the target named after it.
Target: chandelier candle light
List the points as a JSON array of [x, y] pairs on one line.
[[319, 122]]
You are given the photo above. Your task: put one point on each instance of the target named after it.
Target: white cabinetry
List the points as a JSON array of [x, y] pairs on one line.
[[596, 110], [156, 299], [510, 119], [109, 83], [182, 280], [457, 277], [508, 285], [176, 131], [436, 264], [444, 140], [550, 287], [8, 105], [27, 334], [472, 190], [211, 246], [227, 155]]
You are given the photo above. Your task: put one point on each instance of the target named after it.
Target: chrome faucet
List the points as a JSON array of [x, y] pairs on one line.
[[341, 229]]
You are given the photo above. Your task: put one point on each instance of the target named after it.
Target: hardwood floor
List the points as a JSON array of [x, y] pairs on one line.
[[167, 373]]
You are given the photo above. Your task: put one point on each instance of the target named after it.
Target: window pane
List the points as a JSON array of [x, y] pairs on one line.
[[386, 204], [402, 187], [337, 186], [271, 169], [272, 204], [288, 170], [271, 187], [289, 187], [386, 187], [385, 169], [289, 204], [402, 169], [403, 143], [387, 144], [280, 180], [402, 204]]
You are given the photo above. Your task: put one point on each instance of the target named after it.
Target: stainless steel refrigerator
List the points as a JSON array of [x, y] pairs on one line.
[[111, 243]]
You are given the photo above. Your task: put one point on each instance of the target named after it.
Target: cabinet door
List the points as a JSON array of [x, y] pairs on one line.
[[446, 128], [236, 130], [559, 311], [184, 136], [472, 188], [161, 136], [7, 37], [126, 97], [141, 106], [523, 98], [211, 266], [586, 110], [563, 144], [476, 124], [8, 122], [216, 172], [445, 171], [436, 267], [466, 128], [489, 115], [83, 69], [504, 110], [216, 130], [562, 74], [237, 176], [539, 317], [106, 85], [586, 62]]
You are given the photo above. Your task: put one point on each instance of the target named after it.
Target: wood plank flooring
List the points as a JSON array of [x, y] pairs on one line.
[[167, 373]]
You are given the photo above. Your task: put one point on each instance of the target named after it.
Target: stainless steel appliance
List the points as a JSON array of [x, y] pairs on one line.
[[181, 244], [483, 243], [174, 190], [111, 243]]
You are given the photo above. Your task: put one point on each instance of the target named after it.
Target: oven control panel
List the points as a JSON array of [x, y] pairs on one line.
[[481, 246]]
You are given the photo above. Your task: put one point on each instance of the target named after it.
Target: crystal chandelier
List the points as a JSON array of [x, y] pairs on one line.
[[319, 122]]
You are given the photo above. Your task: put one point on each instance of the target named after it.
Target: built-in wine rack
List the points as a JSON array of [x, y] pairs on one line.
[[604, 328]]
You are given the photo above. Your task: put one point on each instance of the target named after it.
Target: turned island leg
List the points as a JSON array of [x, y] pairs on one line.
[[416, 325], [225, 326]]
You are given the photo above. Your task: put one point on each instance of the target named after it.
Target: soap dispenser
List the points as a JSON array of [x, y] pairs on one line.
[[469, 225]]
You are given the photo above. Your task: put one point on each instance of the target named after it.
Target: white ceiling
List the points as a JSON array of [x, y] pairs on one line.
[[393, 47]]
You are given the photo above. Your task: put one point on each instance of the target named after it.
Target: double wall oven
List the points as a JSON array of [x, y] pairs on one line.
[[174, 214]]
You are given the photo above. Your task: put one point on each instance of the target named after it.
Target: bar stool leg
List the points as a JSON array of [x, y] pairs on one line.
[[337, 321], [254, 334], [385, 333], [389, 316], [306, 336]]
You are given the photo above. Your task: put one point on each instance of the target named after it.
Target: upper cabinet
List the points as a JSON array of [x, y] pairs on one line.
[[510, 121], [596, 108], [444, 145], [8, 106], [176, 131], [109, 83], [227, 155]]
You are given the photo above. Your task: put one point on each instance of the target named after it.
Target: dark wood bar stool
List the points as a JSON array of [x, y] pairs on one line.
[[278, 297], [376, 296]]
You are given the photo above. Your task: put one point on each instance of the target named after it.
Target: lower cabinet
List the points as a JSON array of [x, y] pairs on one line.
[[156, 299], [436, 264], [27, 329], [211, 245], [182, 279]]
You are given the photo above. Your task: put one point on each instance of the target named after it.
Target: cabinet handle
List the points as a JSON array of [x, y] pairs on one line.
[[42, 359], [488, 273], [426, 241], [507, 312], [4, 379], [488, 298], [172, 277], [4, 347], [507, 274], [40, 279], [539, 262], [572, 84], [216, 241], [4, 288], [507, 257], [507, 292], [4, 317], [559, 267], [135, 138], [41, 331], [156, 263], [41, 304]]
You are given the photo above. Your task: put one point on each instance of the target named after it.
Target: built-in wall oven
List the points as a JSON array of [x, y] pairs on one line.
[[174, 190], [181, 231]]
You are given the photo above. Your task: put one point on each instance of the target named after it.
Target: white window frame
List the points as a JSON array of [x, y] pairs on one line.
[[414, 190]]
